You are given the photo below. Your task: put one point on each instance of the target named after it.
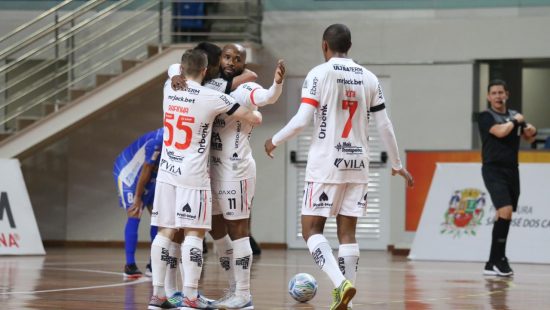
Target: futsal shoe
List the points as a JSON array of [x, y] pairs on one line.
[[197, 303], [499, 268], [236, 301], [342, 295], [131, 271], [176, 299], [157, 303]]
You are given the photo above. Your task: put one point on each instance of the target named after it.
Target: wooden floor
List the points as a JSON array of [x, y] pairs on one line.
[[92, 279]]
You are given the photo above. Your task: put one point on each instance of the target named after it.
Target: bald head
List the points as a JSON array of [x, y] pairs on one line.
[[233, 60], [338, 38]]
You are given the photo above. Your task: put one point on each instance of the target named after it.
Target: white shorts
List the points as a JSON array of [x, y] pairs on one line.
[[233, 199], [325, 199], [179, 207]]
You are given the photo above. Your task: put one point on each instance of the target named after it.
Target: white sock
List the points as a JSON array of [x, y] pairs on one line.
[[322, 255], [242, 262], [348, 259], [159, 258], [191, 260], [224, 248], [171, 282]]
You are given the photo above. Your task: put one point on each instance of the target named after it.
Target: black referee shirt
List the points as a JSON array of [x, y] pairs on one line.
[[499, 151]]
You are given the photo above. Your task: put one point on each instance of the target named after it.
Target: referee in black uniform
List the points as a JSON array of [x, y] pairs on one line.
[[501, 129]]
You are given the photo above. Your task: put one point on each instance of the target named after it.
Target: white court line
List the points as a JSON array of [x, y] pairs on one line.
[[137, 281]]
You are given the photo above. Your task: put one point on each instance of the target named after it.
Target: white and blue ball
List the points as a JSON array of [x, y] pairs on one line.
[[302, 287]]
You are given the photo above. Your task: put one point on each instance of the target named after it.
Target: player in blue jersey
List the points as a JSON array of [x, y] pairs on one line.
[[135, 172]]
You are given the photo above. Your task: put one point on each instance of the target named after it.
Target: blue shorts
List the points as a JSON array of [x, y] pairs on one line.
[[126, 193]]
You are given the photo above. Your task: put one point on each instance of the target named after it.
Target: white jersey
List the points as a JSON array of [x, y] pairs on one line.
[[343, 93], [231, 155], [188, 119], [218, 83]]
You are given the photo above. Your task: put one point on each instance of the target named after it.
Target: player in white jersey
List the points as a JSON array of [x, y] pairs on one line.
[[233, 173], [183, 196], [339, 95]]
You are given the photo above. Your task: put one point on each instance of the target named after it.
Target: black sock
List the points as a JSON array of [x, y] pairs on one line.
[[498, 244]]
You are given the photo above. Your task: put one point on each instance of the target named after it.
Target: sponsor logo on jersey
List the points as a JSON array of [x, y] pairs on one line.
[[362, 202], [380, 94], [174, 157], [323, 125], [348, 148], [216, 142], [349, 164], [226, 100], [247, 87], [193, 91], [169, 167], [356, 70], [186, 212], [349, 81], [223, 192], [323, 201], [235, 157], [204, 137], [181, 99], [313, 90], [219, 122], [238, 135], [215, 83]]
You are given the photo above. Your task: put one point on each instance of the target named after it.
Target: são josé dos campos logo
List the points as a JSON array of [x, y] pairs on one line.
[[464, 213]]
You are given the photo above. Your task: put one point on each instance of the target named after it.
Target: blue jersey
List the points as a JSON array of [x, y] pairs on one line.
[[128, 165]]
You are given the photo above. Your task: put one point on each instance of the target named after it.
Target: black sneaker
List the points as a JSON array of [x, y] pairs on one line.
[[132, 271], [489, 271], [502, 268], [255, 247]]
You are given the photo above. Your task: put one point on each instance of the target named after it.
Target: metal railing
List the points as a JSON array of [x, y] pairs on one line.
[[71, 48]]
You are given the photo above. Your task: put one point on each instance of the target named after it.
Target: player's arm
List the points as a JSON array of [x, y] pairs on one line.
[[144, 178], [387, 135], [246, 114], [262, 97], [300, 121]]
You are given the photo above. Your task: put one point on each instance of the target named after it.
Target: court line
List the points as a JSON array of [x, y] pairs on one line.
[[133, 282]]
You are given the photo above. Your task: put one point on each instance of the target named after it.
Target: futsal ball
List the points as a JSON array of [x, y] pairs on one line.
[[302, 287]]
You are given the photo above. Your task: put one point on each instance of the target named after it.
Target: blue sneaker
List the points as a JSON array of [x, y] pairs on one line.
[[176, 299]]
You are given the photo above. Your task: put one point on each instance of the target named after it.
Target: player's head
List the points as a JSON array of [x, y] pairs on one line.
[[194, 63], [497, 94], [233, 60], [336, 40], [213, 52]]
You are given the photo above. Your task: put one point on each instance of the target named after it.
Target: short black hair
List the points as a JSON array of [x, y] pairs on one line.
[[497, 82], [213, 52], [193, 61], [338, 38]]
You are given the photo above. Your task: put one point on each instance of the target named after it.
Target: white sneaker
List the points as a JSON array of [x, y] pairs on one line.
[[237, 301]]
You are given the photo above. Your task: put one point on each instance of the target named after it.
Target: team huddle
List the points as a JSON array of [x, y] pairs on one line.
[[207, 176]]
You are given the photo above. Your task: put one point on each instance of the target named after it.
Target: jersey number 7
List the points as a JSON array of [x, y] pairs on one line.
[[350, 105], [180, 126]]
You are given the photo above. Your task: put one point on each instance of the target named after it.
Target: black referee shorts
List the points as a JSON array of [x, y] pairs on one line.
[[502, 184]]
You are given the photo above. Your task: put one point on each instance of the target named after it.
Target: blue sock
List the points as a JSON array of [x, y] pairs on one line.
[[153, 232], [131, 239]]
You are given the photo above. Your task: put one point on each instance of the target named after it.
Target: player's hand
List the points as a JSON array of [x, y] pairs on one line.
[[136, 209], [280, 71], [179, 82], [269, 147], [530, 130], [405, 174], [519, 118]]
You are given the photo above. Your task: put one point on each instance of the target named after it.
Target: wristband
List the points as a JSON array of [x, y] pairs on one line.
[[515, 122]]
